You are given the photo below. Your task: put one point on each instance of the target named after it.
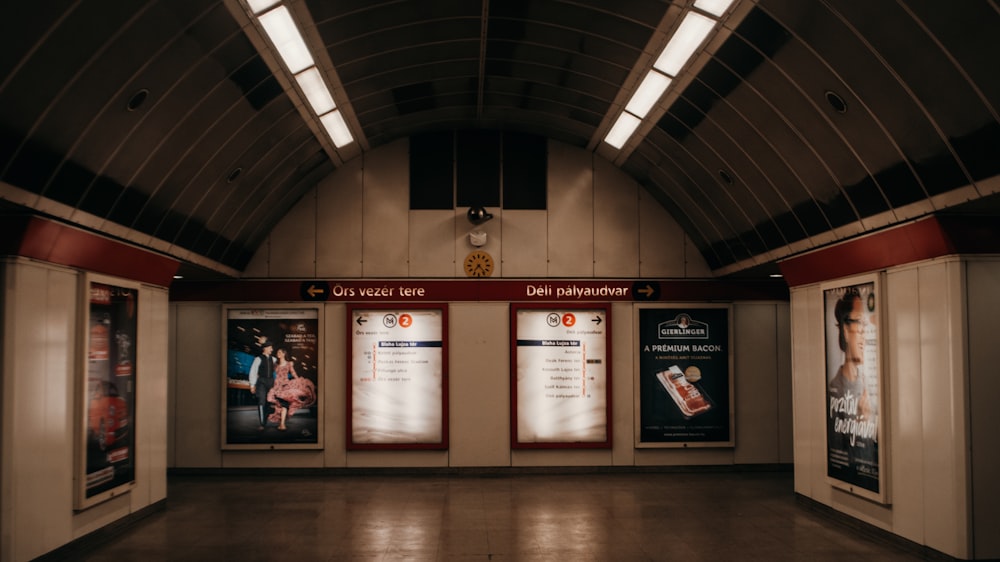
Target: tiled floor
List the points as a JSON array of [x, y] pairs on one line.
[[573, 517]]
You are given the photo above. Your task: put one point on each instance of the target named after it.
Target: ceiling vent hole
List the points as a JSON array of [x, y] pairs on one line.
[[726, 177], [836, 102], [234, 175], [137, 99]]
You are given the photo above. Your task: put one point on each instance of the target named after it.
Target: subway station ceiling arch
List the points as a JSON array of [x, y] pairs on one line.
[[799, 124]]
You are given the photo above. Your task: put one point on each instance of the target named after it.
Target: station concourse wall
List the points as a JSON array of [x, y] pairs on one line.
[[600, 224]]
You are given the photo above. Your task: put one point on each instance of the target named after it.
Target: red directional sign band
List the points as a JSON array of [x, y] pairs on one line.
[[437, 290]]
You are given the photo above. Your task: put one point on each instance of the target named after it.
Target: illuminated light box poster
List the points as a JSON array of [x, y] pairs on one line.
[[853, 380], [684, 372], [272, 383], [397, 395], [561, 380], [107, 440]]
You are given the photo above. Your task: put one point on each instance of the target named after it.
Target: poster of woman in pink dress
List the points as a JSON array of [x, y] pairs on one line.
[[272, 378]]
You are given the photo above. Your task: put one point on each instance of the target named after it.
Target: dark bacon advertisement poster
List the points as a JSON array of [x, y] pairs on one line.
[[684, 380]]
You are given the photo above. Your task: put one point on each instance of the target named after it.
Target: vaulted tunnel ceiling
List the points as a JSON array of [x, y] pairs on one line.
[[806, 122]]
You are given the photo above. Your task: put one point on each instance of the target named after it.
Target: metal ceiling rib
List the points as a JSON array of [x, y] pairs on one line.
[[804, 123]]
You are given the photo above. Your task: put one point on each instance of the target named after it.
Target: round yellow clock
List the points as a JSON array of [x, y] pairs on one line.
[[478, 264]]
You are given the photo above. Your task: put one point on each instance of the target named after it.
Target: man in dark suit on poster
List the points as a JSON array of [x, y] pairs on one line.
[[262, 379]]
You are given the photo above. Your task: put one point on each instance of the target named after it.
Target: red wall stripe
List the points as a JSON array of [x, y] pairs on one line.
[[52, 242], [927, 238]]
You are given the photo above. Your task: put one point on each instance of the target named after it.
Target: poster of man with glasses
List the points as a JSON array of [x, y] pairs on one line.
[[853, 386]]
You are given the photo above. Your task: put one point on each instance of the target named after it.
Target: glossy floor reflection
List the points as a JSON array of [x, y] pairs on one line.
[[578, 517]]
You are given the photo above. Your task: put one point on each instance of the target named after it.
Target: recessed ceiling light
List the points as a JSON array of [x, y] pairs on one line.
[[836, 102], [137, 99]]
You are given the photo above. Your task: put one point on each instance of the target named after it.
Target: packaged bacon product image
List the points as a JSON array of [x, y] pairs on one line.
[[689, 399]]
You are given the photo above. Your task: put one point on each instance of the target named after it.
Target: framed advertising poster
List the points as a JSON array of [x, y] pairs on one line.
[[854, 405], [107, 389], [397, 395], [684, 376], [561, 379], [272, 382]]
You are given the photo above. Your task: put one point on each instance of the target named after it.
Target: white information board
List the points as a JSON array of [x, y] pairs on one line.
[[561, 376], [398, 378]]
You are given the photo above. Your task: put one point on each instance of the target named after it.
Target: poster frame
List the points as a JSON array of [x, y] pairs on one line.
[[515, 440], [83, 402], [830, 331], [637, 375], [351, 445], [320, 383]]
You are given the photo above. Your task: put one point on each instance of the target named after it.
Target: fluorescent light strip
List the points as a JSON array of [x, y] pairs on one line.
[[280, 27], [286, 38], [714, 7], [689, 36], [622, 130], [647, 94], [315, 89], [336, 127], [258, 6]]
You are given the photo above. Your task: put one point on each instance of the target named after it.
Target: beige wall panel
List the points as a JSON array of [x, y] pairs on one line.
[[623, 354], [39, 429], [272, 459], [494, 230], [391, 459], [905, 401], [432, 243], [984, 387], [662, 243], [561, 457], [172, 352], [479, 384], [151, 400], [525, 251], [197, 422], [755, 384], [571, 212], [259, 263], [943, 407], [339, 205], [684, 457], [385, 230], [100, 515], [938, 415], [785, 409], [694, 263], [616, 222], [808, 390], [293, 241], [335, 385]]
